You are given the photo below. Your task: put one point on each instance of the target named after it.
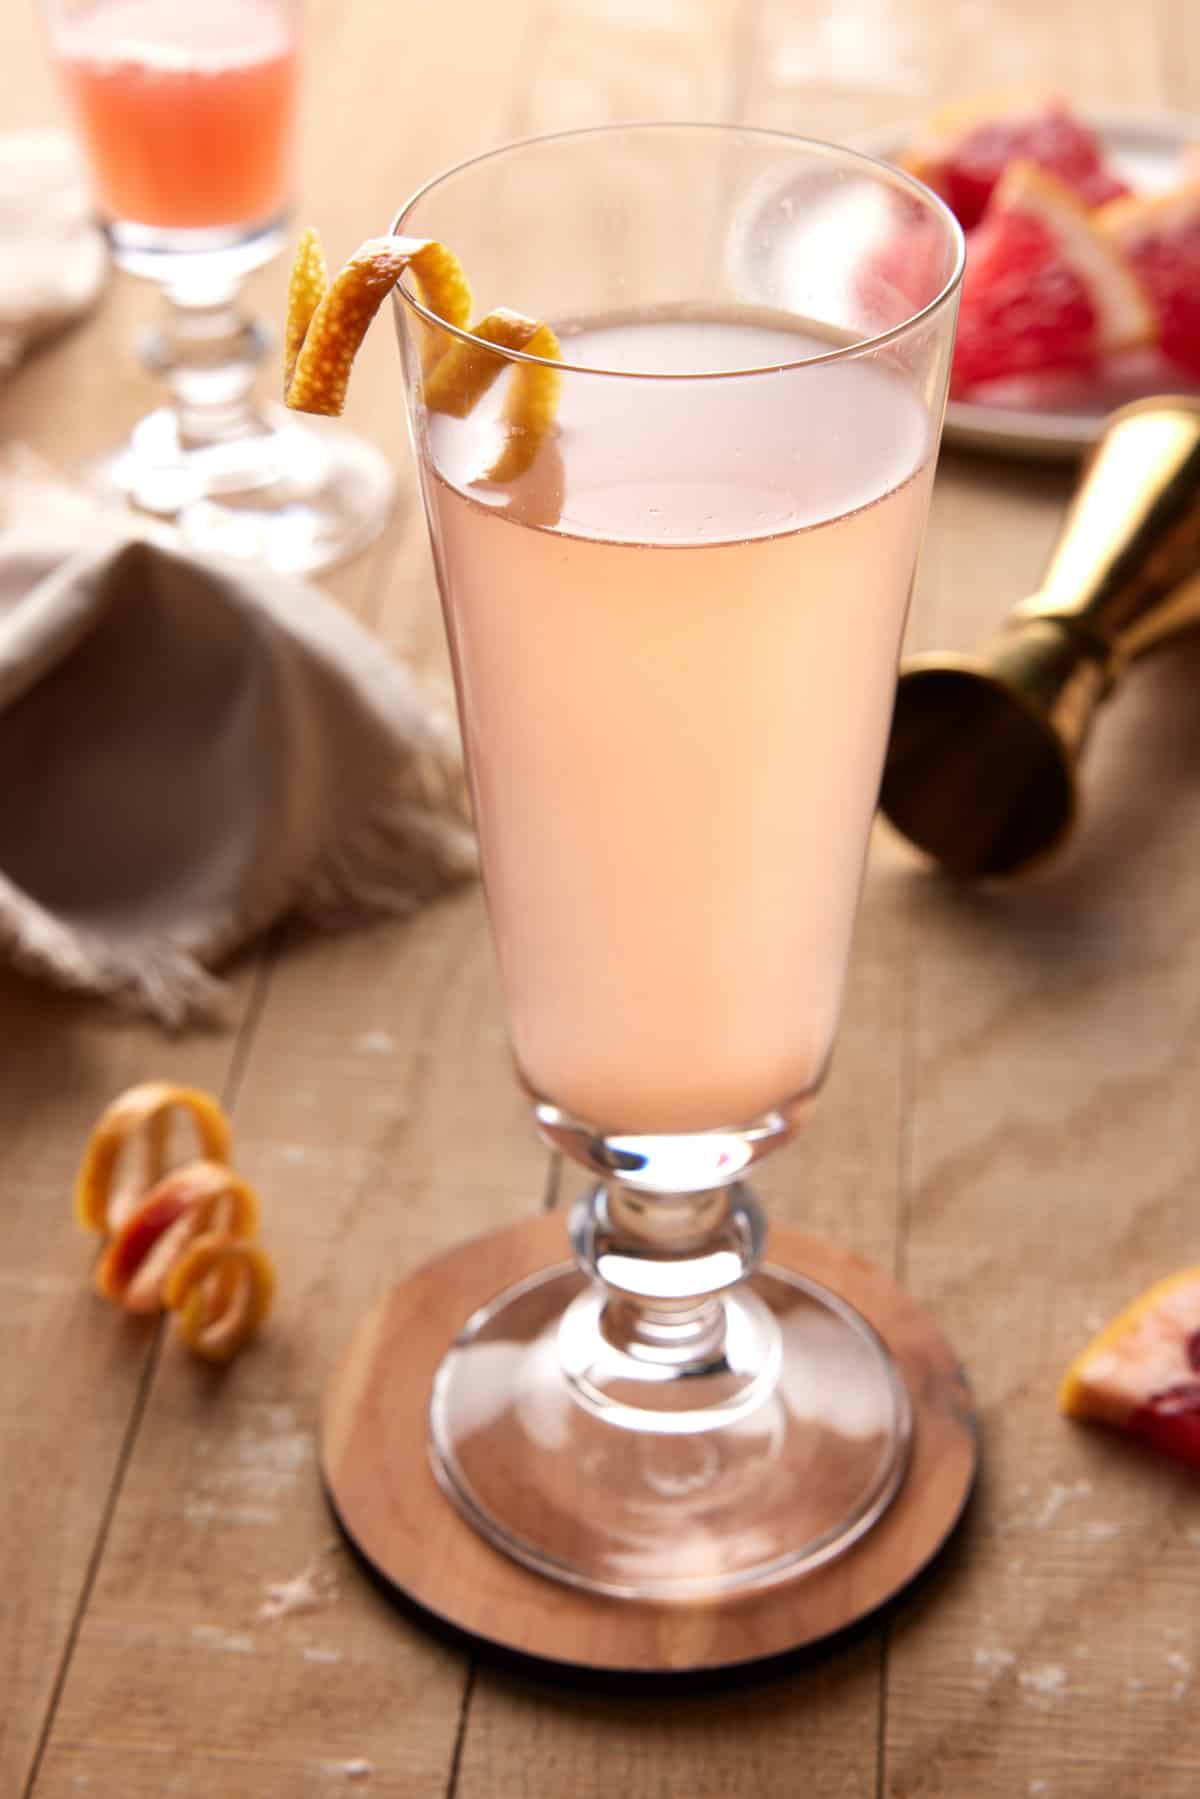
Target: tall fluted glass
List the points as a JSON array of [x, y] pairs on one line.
[[675, 639]]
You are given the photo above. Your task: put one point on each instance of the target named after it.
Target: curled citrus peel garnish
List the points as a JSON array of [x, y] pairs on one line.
[[129, 1148], [190, 1202], [179, 1234], [327, 322], [306, 284], [220, 1291], [461, 377]]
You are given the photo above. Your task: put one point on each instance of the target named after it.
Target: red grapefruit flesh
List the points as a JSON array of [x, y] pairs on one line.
[[1142, 1373], [965, 148], [1045, 289], [1159, 235]]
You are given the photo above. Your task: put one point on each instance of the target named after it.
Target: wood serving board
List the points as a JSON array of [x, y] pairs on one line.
[[379, 1481]]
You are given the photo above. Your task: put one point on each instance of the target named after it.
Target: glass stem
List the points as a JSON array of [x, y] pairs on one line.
[[665, 1261], [207, 349]]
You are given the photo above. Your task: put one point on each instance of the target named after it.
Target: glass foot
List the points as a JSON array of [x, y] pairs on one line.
[[614, 1473], [295, 496]]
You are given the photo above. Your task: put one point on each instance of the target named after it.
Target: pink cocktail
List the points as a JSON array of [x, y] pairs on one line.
[[188, 111], [674, 640], [679, 708]]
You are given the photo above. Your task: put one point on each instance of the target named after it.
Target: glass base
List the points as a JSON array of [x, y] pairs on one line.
[[617, 1474], [295, 496], [195, 261]]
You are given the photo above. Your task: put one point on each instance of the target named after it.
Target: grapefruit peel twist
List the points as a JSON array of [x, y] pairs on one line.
[[178, 1235], [1141, 1374], [220, 1291], [127, 1151], [327, 321]]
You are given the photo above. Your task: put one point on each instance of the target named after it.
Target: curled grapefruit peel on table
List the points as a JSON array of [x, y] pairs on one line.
[[129, 1149], [1159, 236], [1141, 1374], [1045, 287], [157, 1216], [198, 1198], [327, 321], [220, 1291]]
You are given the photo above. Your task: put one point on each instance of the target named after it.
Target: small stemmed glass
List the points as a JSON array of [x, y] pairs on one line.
[[186, 111]]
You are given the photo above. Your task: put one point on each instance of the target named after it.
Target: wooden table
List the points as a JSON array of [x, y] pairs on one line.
[[1012, 1125]]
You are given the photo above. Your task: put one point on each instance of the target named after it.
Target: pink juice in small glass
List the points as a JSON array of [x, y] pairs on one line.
[[675, 642], [187, 112]]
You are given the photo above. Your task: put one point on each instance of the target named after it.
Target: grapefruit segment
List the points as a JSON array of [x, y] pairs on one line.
[[1142, 1373], [1159, 235], [1045, 288], [964, 149]]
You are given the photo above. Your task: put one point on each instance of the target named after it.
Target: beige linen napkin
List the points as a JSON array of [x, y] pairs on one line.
[[190, 749], [53, 261]]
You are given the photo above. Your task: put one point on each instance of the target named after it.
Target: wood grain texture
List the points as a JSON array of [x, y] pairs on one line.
[[1049, 1168], [71, 1377], [1010, 1124]]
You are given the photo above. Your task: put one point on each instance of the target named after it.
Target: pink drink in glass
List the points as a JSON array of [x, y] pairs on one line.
[[675, 689], [187, 111], [674, 639]]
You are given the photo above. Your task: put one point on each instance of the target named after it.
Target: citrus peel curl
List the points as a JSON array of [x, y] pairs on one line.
[[158, 1214], [190, 1202], [135, 1130], [306, 284], [327, 322], [220, 1291]]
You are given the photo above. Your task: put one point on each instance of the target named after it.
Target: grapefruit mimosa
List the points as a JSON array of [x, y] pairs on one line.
[[694, 666], [674, 638]]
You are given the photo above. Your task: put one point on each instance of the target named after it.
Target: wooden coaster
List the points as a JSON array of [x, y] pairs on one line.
[[377, 1473]]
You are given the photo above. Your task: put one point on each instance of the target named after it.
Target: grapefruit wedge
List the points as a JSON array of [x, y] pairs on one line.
[[1045, 288], [1142, 1373], [964, 148], [1159, 236]]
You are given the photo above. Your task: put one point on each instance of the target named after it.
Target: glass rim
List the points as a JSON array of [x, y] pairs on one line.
[[861, 346]]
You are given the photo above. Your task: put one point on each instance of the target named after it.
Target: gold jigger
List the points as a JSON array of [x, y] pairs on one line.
[[981, 768]]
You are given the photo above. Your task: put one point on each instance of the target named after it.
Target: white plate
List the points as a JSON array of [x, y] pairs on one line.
[[1062, 417]]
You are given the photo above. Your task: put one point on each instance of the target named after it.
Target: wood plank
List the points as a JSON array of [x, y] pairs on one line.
[[825, 64], [798, 1734], [1180, 58], [71, 1373], [1050, 1159], [380, 1122], [70, 1370], [839, 1180], [368, 1113], [1026, 1060], [609, 60], [1053, 1165]]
